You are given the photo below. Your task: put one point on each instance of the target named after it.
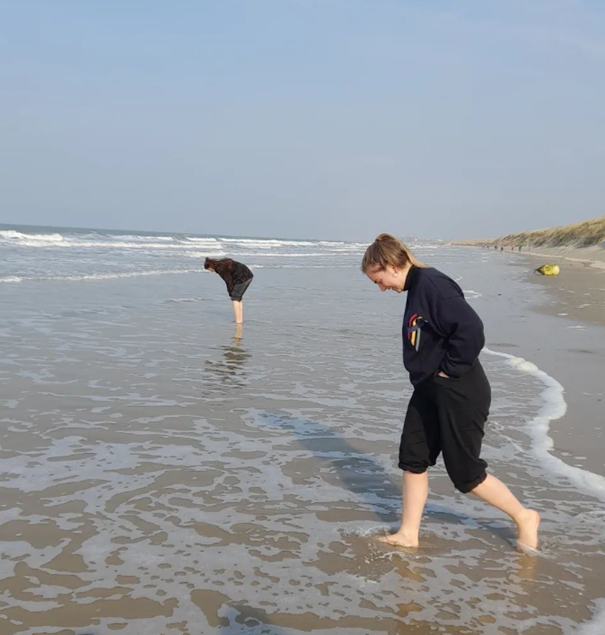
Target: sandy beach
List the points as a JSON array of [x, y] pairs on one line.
[[579, 288], [590, 256], [581, 276], [593, 256], [162, 473]]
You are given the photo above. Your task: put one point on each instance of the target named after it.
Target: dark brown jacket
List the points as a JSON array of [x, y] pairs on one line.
[[233, 272]]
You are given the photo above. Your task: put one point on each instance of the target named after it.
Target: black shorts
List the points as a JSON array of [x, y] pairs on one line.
[[448, 416], [237, 293]]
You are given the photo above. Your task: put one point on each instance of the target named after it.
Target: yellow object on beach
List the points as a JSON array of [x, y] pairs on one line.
[[548, 270]]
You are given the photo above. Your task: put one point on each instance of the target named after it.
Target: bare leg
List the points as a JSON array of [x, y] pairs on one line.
[[497, 494], [238, 309], [415, 491]]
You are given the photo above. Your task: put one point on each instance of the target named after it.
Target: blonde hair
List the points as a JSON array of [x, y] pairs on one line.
[[388, 250]]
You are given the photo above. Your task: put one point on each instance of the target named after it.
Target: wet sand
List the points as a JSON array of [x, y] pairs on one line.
[[568, 343], [161, 474], [579, 290], [576, 299], [591, 256]]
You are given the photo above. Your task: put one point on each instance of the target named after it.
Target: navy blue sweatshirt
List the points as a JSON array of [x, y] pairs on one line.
[[441, 331]]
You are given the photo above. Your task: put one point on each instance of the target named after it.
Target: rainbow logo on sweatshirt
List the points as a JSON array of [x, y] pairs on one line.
[[415, 324]]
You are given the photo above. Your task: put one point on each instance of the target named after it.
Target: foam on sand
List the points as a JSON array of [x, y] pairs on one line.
[[553, 408]]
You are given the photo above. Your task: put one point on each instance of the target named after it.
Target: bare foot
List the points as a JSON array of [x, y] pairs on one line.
[[527, 526], [398, 539]]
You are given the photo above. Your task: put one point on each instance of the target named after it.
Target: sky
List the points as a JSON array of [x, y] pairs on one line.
[[336, 119]]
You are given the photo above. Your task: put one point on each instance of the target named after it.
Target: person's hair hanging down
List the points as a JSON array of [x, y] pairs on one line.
[[216, 264], [236, 276], [388, 250]]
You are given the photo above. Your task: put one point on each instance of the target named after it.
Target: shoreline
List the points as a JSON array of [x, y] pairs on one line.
[[177, 464], [582, 276], [569, 349], [589, 256]]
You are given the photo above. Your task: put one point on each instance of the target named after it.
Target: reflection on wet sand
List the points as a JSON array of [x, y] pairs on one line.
[[230, 369]]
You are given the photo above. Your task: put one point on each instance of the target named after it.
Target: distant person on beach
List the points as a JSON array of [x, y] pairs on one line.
[[237, 277], [442, 339]]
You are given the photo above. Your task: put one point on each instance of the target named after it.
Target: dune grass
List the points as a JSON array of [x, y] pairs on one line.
[[584, 234], [589, 233]]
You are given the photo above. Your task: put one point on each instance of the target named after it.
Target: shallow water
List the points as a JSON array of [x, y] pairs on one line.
[[162, 474]]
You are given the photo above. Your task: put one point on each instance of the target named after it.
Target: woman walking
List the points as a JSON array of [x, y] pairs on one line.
[[442, 339], [237, 277]]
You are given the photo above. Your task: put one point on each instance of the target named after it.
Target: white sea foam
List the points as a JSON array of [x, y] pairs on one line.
[[553, 407], [129, 274], [342, 244], [203, 254], [269, 242], [597, 625], [105, 276], [208, 241], [470, 294], [93, 255], [103, 244], [143, 238], [35, 238]]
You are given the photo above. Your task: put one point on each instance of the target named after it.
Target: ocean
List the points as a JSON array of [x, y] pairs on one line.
[[161, 472]]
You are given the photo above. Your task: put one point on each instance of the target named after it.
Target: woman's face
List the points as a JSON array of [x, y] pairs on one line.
[[392, 278]]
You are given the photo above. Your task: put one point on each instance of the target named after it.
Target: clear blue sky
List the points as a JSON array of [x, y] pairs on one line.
[[303, 118]]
